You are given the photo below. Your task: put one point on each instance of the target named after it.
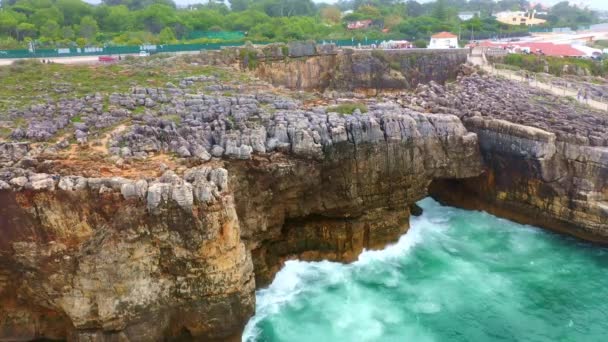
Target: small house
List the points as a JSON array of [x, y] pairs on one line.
[[443, 40]]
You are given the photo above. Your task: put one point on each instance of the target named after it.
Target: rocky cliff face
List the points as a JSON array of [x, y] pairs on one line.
[[533, 178], [357, 195], [546, 158], [176, 256], [112, 259], [363, 71], [173, 205], [310, 66]]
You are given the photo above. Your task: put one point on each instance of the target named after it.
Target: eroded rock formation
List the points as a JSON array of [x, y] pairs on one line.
[[546, 158], [106, 258], [112, 259], [173, 205]]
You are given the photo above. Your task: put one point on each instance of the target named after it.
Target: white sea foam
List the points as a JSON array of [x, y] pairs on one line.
[[455, 275], [296, 277]]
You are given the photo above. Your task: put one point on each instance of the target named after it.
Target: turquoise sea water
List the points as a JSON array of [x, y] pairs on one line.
[[457, 275]]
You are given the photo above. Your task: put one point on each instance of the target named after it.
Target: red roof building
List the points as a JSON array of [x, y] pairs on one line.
[[360, 24], [549, 49], [444, 35]]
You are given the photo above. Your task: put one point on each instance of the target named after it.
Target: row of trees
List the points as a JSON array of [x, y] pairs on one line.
[[66, 22]]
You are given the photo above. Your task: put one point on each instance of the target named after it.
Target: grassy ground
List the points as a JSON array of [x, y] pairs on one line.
[[348, 108], [30, 82]]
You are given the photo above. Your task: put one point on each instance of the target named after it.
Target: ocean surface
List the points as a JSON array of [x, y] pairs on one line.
[[457, 275]]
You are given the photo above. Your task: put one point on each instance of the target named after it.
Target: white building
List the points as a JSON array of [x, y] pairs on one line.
[[443, 40]]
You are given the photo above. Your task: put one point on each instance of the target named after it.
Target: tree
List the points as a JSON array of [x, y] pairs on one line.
[[41, 16], [392, 21], [118, 19], [51, 29], [67, 33], [203, 19], [73, 10], [243, 21], [239, 5], [331, 14], [81, 42], [288, 8], [413, 9], [9, 21], [88, 28], [440, 10], [154, 18], [370, 12], [26, 30], [166, 35]]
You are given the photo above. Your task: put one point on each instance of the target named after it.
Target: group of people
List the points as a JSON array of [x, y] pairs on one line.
[[582, 95]]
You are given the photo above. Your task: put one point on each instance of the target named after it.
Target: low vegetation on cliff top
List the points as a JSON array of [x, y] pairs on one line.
[[29, 82], [558, 66], [348, 108]]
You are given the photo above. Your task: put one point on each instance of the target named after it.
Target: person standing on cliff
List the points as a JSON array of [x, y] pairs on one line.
[[585, 96]]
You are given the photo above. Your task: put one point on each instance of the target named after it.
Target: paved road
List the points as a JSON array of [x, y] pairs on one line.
[[60, 60], [477, 58]]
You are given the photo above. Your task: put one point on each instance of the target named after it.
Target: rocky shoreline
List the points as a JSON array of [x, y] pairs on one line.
[[161, 210]]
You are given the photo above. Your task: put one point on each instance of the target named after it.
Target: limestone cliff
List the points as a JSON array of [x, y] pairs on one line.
[[112, 259], [309, 66], [157, 212], [546, 158], [533, 178], [363, 71], [171, 257]]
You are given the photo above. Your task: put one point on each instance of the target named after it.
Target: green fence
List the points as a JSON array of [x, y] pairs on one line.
[[219, 35], [110, 50], [124, 50]]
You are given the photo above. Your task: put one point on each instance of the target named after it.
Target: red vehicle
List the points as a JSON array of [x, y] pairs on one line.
[[108, 59]]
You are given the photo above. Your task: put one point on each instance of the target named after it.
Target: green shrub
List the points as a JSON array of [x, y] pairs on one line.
[[556, 65], [420, 43], [348, 108], [251, 56]]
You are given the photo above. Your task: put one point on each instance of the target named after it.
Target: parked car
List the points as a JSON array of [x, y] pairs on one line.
[[143, 53]]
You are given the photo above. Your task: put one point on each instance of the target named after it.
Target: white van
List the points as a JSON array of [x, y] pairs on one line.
[[144, 53]]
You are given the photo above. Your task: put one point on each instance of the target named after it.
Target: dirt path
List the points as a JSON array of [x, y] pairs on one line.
[[101, 145]]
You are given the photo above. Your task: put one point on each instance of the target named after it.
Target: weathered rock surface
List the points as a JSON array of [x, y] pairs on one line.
[[534, 178], [258, 178], [364, 71], [177, 256], [546, 160], [87, 264]]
